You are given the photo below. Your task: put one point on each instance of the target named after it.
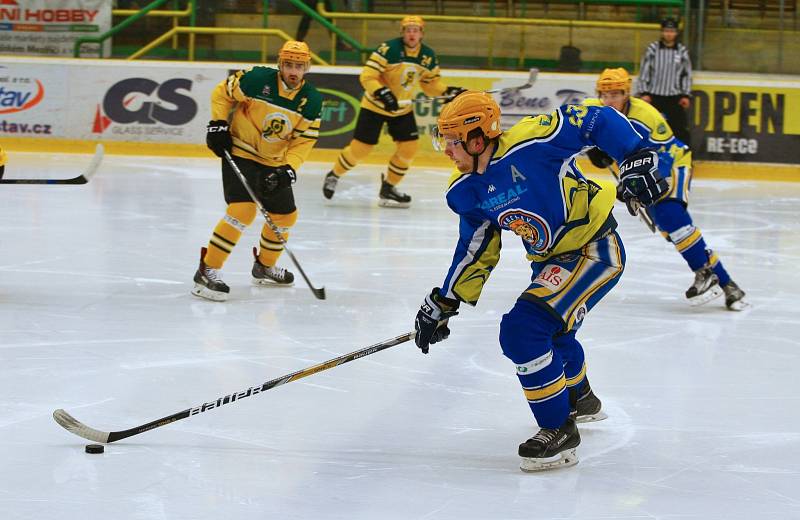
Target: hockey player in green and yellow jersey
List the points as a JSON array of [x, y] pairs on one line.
[[274, 125], [389, 79], [670, 214]]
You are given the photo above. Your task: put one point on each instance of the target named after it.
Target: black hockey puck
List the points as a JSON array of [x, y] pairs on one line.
[[95, 448]]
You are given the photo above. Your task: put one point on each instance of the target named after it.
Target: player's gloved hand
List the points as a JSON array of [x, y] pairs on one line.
[[641, 183], [385, 96], [452, 92], [431, 322], [218, 137], [281, 177], [599, 158]]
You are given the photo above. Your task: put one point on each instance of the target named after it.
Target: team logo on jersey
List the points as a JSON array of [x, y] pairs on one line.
[[531, 227], [408, 78], [266, 90], [277, 127]]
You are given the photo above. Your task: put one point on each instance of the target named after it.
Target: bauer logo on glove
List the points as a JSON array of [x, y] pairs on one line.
[[641, 182]]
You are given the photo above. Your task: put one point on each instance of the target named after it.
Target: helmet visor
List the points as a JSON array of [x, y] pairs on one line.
[[440, 141]]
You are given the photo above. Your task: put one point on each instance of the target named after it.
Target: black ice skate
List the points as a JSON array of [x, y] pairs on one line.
[[551, 448], [207, 282], [329, 186], [588, 408], [705, 287], [734, 297], [265, 275], [391, 198]]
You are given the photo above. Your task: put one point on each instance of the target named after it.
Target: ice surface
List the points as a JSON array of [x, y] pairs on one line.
[[96, 318]]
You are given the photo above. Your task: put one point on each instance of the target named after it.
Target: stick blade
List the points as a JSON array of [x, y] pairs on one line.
[[73, 425], [532, 76], [99, 153], [319, 293]]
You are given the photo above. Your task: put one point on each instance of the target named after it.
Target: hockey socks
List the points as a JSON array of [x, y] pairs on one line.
[[673, 218], [228, 231], [271, 245]]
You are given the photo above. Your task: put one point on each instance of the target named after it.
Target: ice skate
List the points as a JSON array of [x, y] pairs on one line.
[[734, 297], [207, 282], [268, 276], [391, 198], [705, 287], [588, 407], [551, 448], [329, 186]]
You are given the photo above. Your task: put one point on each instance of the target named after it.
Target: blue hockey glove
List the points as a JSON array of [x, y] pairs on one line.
[[642, 184], [431, 322], [218, 137], [387, 97], [281, 177]]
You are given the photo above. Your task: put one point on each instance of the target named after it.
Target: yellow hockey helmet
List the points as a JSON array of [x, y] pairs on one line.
[[412, 20], [295, 51], [468, 111], [614, 79]]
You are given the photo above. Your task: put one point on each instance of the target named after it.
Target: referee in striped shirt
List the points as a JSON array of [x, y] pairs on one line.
[[665, 79]]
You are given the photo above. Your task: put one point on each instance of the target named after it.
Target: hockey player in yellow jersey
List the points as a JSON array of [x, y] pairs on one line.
[[268, 120], [389, 78], [670, 214]]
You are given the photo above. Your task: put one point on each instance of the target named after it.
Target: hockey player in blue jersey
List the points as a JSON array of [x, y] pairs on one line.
[[526, 180], [671, 213]]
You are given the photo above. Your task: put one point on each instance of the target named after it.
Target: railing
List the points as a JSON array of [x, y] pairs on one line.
[[218, 30], [492, 22], [174, 14], [137, 15]]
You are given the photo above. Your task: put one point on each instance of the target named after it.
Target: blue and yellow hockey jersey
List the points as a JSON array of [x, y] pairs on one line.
[[534, 187]]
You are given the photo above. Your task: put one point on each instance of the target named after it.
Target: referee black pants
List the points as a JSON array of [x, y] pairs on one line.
[[675, 115]]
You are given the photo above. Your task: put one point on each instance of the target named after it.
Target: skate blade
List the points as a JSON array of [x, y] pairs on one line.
[[701, 299], [593, 417], [207, 294], [387, 203], [266, 282], [564, 459], [739, 305]]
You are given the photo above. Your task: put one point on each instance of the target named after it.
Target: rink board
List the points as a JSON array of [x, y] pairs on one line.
[[163, 108]]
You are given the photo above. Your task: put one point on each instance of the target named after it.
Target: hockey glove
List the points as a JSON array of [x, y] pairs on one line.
[[281, 177], [599, 158], [431, 322], [385, 96], [642, 184], [452, 92], [218, 137]]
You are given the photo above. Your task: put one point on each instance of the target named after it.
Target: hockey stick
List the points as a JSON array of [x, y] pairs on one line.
[[319, 293], [80, 179], [506, 90], [642, 212], [81, 430]]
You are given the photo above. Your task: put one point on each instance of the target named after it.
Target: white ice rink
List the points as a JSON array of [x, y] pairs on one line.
[[96, 317]]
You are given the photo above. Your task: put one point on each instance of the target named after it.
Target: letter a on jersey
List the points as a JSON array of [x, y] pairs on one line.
[[516, 174]]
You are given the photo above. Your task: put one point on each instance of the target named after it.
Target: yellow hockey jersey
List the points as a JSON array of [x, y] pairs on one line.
[[2, 157], [649, 122], [271, 124], [395, 66]]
